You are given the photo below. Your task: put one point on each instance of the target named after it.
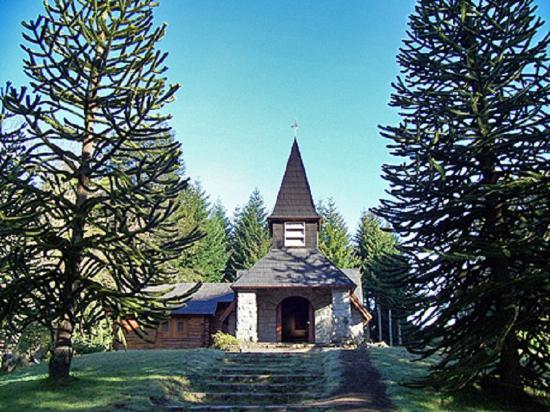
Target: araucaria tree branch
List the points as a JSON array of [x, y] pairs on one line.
[[95, 177], [470, 195]]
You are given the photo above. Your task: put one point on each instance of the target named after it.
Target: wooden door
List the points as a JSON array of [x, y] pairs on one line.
[[279, 324], [311, 325]]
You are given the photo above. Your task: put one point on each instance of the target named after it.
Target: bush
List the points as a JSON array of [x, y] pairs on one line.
[[225, 342], [98, 339]]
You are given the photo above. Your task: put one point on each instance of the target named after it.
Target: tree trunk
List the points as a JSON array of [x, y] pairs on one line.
[[379, 313], [390, 328], [495, 230], [62, 353], [510, 366], [399, 336]]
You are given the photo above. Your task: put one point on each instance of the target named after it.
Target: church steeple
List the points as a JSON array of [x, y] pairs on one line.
[[294, 205], [294, 199]]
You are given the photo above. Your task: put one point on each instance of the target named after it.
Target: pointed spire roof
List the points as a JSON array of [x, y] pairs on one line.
[[294, 199]]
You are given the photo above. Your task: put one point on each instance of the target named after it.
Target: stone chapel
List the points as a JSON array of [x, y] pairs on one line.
[[293, 294]]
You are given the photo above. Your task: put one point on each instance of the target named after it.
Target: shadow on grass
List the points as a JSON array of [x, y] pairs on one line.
[[396, 366]]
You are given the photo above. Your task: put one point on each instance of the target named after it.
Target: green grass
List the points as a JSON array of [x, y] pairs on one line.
[[396, 366], [107, 381]]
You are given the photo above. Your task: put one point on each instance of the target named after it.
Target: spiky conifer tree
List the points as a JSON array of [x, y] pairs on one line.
[[250, 240], [103, 177], [380, 263], [468, 199], [215, 254], [17, 210], [206, 260], [334, 239]]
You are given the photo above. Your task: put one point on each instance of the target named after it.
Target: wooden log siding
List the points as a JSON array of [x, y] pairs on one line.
[[195, 334]]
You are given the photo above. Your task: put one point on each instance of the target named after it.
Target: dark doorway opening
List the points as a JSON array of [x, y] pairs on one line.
[[295, 320]]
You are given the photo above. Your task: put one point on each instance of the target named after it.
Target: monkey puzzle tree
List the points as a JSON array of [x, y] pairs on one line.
[[469, 197], [100, 177], [17, 208]]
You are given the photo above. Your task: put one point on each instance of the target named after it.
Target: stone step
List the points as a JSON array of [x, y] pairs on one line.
[[243, 370], [245, 398], [282, 346], [240, 407], [268, 354], [264, 378], [272, 388], [265, 362]]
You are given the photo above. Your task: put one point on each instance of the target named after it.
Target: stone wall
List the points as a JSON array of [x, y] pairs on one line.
[[269, 299], [247, 317], [357, 329], [341, 315]]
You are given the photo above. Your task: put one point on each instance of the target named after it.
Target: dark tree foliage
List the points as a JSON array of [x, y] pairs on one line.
[[250, 240], [205, 260], [334, 239], [470, 198], [17, 209], [374, 249], [215, 254], [98, 181]]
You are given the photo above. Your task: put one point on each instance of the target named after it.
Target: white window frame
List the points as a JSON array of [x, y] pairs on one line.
[[295, 234]]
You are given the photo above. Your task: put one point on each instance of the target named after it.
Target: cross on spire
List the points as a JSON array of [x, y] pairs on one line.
[[295, 126]]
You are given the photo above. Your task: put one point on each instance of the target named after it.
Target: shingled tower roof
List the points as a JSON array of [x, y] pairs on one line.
[[294, 199]]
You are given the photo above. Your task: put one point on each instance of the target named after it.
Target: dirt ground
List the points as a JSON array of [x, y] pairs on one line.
[[362, 389]]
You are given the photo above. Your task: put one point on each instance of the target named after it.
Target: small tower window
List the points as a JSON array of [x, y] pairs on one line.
[[295, 234]]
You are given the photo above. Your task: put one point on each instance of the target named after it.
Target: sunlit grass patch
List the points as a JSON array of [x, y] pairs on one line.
[[107, 381]]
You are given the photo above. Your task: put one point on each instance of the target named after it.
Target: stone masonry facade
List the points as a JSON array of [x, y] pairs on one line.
[[247, 317], [341, 315], [269, 299], [334, 319]]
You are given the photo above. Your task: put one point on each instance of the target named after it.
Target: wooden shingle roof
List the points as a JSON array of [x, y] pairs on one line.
[[294, 199], [296, 267]]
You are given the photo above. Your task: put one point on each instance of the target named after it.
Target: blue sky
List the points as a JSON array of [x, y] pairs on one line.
[[249, 68]]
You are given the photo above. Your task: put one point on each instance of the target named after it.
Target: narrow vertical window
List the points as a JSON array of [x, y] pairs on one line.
[[165, 327], [181, 327], [295, 234]]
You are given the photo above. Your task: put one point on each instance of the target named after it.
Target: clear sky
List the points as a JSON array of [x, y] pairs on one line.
[[249, 68]]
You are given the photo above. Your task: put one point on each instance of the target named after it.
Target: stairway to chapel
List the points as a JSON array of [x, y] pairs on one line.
[[270, 381]]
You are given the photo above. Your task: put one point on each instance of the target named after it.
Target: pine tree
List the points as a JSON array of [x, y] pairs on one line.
[[250, 240], [103, 177], [372, 246], [469, 198], [334, 239], [380, 261], [206, 259], [191, 214], [215, 254]]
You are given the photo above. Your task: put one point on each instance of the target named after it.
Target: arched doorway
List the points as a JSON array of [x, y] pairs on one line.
[[295, 320]]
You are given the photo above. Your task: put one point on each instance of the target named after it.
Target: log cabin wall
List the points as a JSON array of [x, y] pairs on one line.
[[178, 332]]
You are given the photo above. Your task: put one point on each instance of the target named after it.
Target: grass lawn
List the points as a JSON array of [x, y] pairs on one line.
[[395, 365], [107, 381]]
